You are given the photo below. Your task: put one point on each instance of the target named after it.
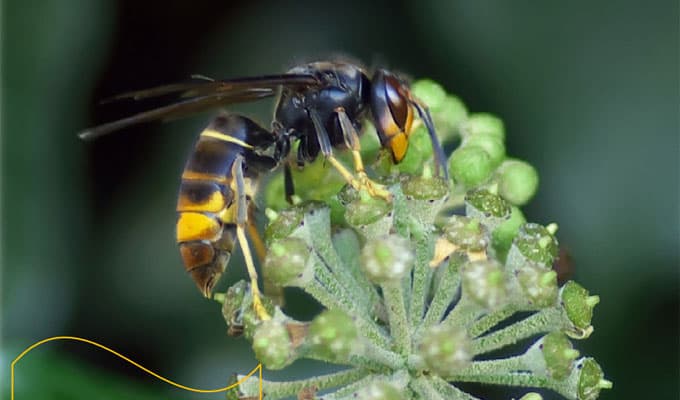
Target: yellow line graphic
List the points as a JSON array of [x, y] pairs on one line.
[[148, 371]]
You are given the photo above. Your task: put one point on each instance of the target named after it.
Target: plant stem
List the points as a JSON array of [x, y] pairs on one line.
[[367, 327], [277, 390], [425, 390], [490, 320], [449, 391], [546, 320], [422, 273], [393, 294], [446, 292]]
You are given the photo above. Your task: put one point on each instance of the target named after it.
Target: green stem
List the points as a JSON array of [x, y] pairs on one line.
[[517, 379], [493, 367], [547, 320], [449, 391], [393, 294], [278, 390], [348, 392], [367, 327], [318, 234], [490, 320], [347, 247], [444, 295], [464, 313], [423, 388], [422, 273]]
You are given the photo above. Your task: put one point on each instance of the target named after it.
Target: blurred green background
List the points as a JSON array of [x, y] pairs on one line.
[[588, 92]]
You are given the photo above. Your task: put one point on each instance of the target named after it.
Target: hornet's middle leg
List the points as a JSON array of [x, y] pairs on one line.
[[360, 182]]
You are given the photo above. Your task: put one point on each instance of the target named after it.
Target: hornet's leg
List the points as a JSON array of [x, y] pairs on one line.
[[362, 182], [241, 222], [273, 292], [288, 185]]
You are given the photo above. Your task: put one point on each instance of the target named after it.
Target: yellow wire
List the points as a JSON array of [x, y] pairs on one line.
[[148, 371]]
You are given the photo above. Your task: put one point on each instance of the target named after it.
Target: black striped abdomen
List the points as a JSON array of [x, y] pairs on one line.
[[206, 225]]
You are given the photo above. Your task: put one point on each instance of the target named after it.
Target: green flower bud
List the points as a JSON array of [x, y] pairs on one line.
[[424, 197], [233, 307], [429, 92], [448, 116], [371, 216], [491, 144], [362, 208], [287, 263], [272, 344], [487, 207], [484, 282], [533, 243], [505, 233], [333, 335], [466, 233], [445, 349], [578, 305], [283, 223], [387, 260], [470, 166], [517, 181], [428, 189], [559, 355], [483, 124], [591, 379], [238, 312], [539, 285], [379, 391]]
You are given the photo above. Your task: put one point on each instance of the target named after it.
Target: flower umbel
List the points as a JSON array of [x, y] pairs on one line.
[[420, 291]]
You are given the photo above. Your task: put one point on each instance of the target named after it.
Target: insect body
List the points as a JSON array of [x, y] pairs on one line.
[[321, 105]]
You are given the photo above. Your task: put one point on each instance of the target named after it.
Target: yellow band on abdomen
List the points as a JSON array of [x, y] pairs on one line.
[[221, 136]]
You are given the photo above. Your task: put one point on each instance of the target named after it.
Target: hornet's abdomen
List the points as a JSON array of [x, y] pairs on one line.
[[206, 225]]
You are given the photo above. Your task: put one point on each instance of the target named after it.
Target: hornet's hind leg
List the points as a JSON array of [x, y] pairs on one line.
[[241, 223], [272, 291]]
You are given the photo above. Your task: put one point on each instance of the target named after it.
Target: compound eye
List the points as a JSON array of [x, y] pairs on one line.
[[397, 100]]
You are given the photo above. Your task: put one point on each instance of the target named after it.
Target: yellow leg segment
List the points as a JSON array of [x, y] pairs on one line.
[[255, 237], [252, 273], [361, 181]]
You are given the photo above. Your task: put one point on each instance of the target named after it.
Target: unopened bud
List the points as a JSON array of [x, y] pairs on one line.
[[578, 305], [379, 391], [484, 124], [272, 344], [538, 284], [591, 379], [466, 234], [445, 349], [470, 166], [388, 259], [488, 207], [484, 283], [287, 263], [533, 243], [333, 335]]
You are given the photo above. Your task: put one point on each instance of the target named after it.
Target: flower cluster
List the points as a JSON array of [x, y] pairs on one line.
[[420, 291]]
